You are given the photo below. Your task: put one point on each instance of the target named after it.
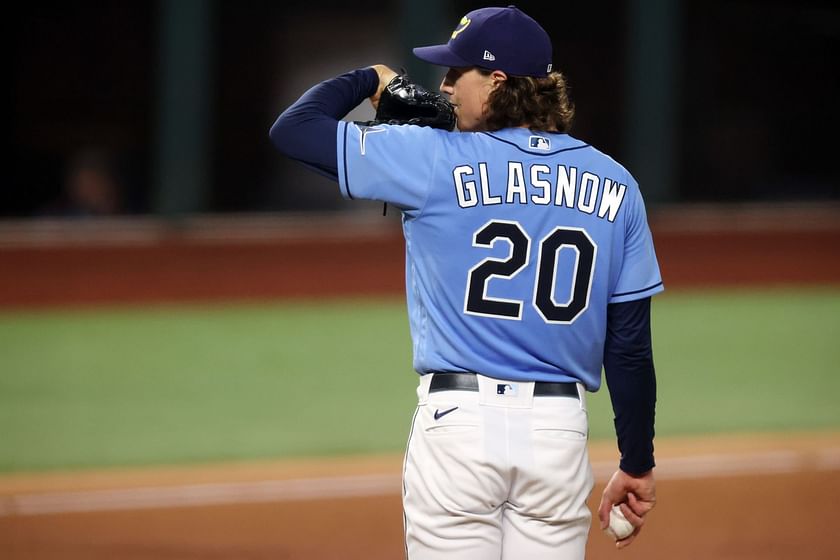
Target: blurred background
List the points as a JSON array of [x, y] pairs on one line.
[[143, 107]]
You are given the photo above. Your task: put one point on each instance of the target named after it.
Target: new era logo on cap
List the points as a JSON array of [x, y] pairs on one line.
[[488, 56]]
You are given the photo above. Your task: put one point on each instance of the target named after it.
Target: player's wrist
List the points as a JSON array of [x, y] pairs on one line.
[[637, 471], [385, 75]]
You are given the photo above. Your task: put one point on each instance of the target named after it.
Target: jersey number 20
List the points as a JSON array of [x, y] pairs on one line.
[[477, 302]]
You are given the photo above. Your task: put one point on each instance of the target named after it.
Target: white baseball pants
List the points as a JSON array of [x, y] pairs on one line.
[[491, 476]]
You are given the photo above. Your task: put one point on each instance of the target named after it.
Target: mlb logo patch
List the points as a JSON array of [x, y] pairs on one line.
[[510, 389], [539, 143]]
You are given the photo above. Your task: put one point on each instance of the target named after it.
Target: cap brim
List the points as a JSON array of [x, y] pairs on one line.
[[440, 55]]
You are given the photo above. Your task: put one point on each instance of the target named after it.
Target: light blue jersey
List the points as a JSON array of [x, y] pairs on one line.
[[515, 243]]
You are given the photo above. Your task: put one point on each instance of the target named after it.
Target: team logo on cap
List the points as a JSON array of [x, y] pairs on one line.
[[463, 24]]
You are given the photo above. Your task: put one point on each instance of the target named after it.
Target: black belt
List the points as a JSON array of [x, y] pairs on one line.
[[469, 382]]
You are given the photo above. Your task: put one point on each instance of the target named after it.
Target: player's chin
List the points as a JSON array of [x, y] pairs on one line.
[[467, 125], [461, 123]]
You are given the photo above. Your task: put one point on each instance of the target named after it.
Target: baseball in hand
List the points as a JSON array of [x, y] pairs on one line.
[[619, 527]]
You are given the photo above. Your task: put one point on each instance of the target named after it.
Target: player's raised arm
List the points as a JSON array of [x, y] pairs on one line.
[[306, 131], [385, 76]]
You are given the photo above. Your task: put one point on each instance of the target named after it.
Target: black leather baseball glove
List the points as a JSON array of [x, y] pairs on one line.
[[404, 102]]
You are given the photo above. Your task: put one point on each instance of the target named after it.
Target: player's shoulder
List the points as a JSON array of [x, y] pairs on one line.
[[563, 148], [389, 139], [398, 129], [397, 136]]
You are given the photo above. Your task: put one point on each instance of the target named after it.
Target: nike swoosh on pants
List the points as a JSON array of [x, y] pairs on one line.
[[439, 414]]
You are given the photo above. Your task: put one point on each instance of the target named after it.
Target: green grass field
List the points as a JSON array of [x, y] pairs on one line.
[[184, 384]]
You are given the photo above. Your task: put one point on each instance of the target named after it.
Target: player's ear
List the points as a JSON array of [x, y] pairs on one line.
[[498, 77]]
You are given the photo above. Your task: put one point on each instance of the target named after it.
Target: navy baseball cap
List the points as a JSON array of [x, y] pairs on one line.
[[497, 39]]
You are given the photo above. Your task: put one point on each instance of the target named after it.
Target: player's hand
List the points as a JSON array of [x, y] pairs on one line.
[[385, 76], [636, 496]]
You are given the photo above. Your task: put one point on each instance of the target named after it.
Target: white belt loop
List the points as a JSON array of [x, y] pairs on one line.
[[582, 396], [423, 388]]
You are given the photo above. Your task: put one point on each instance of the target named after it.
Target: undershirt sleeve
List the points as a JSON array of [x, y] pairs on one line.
[[306, 131], [631, 380]]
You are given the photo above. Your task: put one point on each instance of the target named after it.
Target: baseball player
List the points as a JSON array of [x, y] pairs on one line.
[[529, 266]]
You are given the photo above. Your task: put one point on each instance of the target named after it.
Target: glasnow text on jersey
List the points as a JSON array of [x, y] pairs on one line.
[[537, 184]]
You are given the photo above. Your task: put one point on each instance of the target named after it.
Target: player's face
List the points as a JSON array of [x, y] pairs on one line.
[[468, 89]]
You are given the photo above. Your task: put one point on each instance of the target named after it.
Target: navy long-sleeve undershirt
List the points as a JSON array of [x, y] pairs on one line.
[[306, 132], [631, 380]]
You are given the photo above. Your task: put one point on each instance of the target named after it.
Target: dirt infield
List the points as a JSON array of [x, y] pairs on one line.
[[745, 497]]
